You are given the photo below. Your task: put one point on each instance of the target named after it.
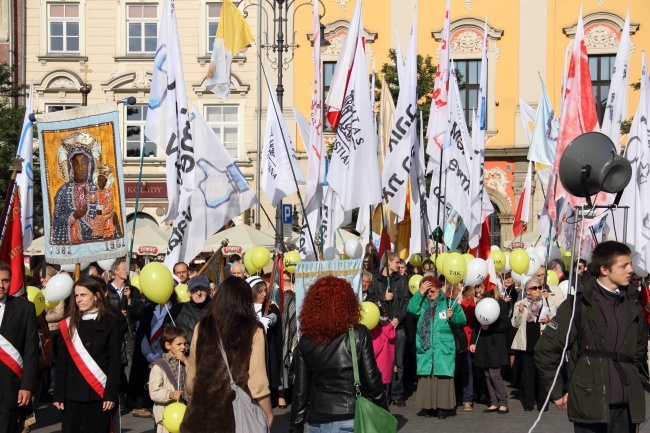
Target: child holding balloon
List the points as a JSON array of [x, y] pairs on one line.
[[167, 377]]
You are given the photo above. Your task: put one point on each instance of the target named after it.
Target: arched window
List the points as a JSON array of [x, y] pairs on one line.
[[495, 226]]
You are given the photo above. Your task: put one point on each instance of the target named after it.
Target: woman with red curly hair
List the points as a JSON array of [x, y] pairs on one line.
[[324, 393]]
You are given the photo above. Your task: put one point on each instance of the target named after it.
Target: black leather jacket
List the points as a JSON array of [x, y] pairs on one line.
[[324, 385]]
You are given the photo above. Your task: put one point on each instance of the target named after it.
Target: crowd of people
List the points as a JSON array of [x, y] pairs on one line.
[[107, 349]]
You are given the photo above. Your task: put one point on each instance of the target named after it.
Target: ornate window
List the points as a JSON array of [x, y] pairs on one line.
[[213, 12], [470, 71], [495, 226], [63, 27], [224, 121], [51, 108], [328, 73], [601, 68], [136, 117], [142, 27]]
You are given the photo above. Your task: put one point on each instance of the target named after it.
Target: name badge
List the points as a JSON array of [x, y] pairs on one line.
[[443, 315]]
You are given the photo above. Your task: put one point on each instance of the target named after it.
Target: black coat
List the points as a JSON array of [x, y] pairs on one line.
[[324, 385], [103, 340], [491, 345], [274, 342], [20, 328]]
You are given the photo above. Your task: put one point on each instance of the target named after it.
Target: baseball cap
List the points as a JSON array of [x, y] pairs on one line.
[[198, 282]]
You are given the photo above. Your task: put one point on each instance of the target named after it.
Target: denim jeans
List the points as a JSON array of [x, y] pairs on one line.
[[397, 391], [467, 376], [332, 427]]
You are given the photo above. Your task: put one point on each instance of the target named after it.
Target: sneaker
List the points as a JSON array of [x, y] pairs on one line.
[[399, 402], [467, 407], [141, 413]]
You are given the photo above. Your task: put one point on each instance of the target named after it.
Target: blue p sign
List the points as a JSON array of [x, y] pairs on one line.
[[287, 213]]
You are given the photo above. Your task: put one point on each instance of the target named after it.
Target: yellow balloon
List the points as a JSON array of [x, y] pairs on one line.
[[345, 257], [468, 257], [173, 416], [248, 264], [440, 261], [566, 258], [260, 257], [156, 282], [552, 278], [290, 260], [499, 259], [181, 293], [414, 283], [415, 260], [519, 261], [135, 281], [455, 268], [36, 297], [369, 315]]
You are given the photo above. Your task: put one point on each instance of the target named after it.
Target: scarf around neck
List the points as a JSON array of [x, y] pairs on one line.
[[424, 330]]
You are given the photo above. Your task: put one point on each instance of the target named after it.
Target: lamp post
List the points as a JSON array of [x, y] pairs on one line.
[[279, 17]]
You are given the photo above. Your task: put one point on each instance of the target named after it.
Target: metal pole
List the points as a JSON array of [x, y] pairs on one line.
[[259, 120], [279, 235]]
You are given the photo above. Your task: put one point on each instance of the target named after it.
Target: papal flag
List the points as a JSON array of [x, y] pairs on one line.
[[233, 35], [25, 179]]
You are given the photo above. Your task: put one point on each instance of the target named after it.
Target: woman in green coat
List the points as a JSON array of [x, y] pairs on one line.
[[436, 347]]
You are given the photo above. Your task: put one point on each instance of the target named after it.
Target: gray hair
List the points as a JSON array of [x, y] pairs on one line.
[[239, 265], [367, 274], [535, 281], [429, 273], [117, 263]]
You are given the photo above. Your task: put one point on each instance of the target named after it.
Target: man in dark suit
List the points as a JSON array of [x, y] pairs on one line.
[[19, 329]]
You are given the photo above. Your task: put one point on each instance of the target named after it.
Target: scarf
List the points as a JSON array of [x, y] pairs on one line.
[[424, 330], [534, 306], [289, 331], [174, 365], [89, 315]]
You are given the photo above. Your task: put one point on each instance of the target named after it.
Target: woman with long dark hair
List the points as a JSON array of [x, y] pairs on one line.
[[324, 392], [88, 364], [231, 320]]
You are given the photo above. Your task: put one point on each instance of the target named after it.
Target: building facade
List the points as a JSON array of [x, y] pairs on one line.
[[110, 46]]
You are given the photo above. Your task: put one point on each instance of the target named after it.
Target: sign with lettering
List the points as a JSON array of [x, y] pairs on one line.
[[147, 251], [232, 249], [147, 189]]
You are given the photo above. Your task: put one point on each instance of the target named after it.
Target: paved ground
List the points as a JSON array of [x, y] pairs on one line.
[[517, 420]]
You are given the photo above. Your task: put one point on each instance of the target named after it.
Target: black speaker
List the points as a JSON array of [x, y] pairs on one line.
[[590, 165]]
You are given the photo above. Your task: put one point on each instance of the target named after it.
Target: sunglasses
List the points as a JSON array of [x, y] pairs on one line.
[[636, 280], [535, 288]]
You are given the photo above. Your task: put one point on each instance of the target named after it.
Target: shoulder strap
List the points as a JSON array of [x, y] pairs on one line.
[[355, 366], [164, 366], [225, 359]]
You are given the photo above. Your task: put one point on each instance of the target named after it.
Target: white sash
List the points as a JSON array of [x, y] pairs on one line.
[[83, 360]]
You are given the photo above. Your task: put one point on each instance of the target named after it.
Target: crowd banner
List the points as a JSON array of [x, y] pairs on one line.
[[308, 272], [83, 185]]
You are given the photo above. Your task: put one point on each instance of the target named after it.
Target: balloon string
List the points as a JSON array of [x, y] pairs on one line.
[[170, 315], [478, 336], [179, 375]]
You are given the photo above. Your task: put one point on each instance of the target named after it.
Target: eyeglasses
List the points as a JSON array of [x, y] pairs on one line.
[[636, 280], [535, 288]]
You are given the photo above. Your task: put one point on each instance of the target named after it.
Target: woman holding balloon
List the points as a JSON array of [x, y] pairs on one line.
[[88, 364], [489, 345], [435, 346]]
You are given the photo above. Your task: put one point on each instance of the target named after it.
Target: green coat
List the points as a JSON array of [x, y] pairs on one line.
[[442, 349]]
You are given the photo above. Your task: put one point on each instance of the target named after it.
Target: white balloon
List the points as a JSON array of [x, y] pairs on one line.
[[540, 250], [353, 249], [331, 253], [106, 264], [535, 263], [487, 311], [555, 253], [477, 270], [530, 249], [58, 288], [564, 286], [507, 267], [67, 268], [515, 277], [494, 247]]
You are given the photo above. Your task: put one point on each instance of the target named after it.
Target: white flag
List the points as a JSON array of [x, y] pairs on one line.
[[333, 217], [222, 193], [543, 140], [279, 160], [637, 193], [527, 117], [403, 134], [615, 110], [168, 122], [353, 172], [342, 73], [419, 221], [25, 179]]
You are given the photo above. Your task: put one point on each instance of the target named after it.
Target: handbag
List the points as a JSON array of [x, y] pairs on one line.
[[368, 417], [249, 417], [460, 338]]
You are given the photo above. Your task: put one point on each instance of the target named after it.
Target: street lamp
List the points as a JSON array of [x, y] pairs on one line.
[[281, 45]]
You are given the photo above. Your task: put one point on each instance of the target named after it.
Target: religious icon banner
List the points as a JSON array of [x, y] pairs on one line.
[[83, 185]]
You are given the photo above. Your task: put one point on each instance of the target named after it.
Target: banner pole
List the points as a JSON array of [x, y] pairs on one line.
[[135, 213]]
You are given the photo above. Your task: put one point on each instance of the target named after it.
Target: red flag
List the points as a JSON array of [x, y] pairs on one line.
[[384, 242], [11, 250], [523, 208], [484, 247], [490, 282], [578, 112]]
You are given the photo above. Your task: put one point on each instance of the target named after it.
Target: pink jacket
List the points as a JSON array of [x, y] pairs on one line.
[[383, 343]]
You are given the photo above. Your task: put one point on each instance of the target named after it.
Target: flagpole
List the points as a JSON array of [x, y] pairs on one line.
[[437, 232], [135, 213], [293, 173]]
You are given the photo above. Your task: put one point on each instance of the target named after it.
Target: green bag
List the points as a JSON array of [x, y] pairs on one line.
[[368, 417]]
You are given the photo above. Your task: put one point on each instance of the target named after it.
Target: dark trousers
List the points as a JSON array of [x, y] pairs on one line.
[[85, 417], [397, 391], [9, 418], [618, 422], [530, 380]]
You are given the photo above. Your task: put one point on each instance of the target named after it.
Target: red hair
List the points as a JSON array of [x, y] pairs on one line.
[[330, 308]]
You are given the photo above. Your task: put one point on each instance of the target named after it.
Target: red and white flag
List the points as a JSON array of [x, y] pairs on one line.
[[341, 76], [85, 363], [523, 208], [578, 114]]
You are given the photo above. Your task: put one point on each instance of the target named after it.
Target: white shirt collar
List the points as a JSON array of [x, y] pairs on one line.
[[617, 290]]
